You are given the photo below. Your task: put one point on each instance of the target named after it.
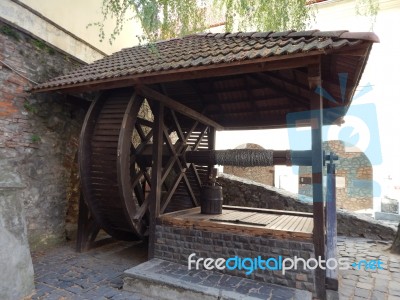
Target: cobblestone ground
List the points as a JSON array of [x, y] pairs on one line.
[[357, 284], [61, 273]]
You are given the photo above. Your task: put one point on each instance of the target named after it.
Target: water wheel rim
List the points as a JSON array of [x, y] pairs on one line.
[[116, 216]]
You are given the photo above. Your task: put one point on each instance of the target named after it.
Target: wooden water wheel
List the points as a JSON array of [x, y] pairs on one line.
[[116, 162]]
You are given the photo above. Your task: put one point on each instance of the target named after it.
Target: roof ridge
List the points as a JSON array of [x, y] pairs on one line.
[[368, 36]]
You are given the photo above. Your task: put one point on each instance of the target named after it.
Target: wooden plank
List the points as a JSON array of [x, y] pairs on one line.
[[309, 226], [295, 224], [177, 106], [316, 120], [300, 224], [192, 218], [181, 212], [204, 224], [171, 192], [279, 222], [267, 210], [331, 224], [232, 217], [105, 138], [261, 218], [286, 225], [155, 196]]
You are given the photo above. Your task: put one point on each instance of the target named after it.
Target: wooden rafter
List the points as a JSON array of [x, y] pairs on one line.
[[177, 106], [262, 77]]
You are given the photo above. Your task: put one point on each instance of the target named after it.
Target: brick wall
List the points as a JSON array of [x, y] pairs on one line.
[[38, 134], [177, 243]]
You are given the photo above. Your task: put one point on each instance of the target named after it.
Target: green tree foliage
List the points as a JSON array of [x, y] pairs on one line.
[[163, 19]]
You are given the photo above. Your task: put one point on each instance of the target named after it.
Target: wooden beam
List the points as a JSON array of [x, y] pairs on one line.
[[177, 106], [266, 79], [267, 210], [360, 50], [331, 225], [156, 184], [316, 119], [255, 111], [211, 146]]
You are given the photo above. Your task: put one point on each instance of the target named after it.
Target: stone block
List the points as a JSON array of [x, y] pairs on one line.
[[16, 276]]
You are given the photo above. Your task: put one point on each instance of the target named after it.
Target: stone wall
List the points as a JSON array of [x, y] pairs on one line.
[[263, 175], [16, 276], [354, 178], [38, 134], [177, 243], [389, 205], [243, 192]]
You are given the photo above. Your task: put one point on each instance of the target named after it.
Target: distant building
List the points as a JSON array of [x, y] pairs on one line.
[[263, 175], [354, 178]]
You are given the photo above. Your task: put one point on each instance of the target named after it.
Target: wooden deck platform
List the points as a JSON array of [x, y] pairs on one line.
[[254, 221]]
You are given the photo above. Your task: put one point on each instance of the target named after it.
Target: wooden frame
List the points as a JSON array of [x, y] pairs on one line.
[[192, 219], [173, 166], [316, 120]]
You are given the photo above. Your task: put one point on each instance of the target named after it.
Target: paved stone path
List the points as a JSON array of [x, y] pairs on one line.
[[61, 273], [357, 284]]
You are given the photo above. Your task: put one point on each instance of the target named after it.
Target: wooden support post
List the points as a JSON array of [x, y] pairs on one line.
[[331, 225], [88, 228], [314, 78], [82, 222], [211, 146], [156, 173]]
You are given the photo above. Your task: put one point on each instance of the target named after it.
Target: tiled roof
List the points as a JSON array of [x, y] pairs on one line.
[[205, 49]]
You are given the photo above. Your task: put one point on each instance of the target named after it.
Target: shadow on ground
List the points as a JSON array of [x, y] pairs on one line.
[[62, 273]]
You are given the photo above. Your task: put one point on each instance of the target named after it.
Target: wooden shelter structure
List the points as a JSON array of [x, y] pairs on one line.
[[194, 86]]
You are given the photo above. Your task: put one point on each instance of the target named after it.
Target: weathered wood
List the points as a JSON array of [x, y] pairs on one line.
[[172, 190], [267, 210], [177, 106], [316, 120], [124, 164], [266, 80], [211, 146], [155, 194], [331, 225], [280, 157], [193, 219]]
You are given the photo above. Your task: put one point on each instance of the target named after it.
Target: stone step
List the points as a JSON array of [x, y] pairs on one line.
[[167, 280]]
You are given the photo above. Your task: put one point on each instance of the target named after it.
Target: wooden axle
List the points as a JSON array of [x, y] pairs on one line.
[[241, 157], [211, 157]]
